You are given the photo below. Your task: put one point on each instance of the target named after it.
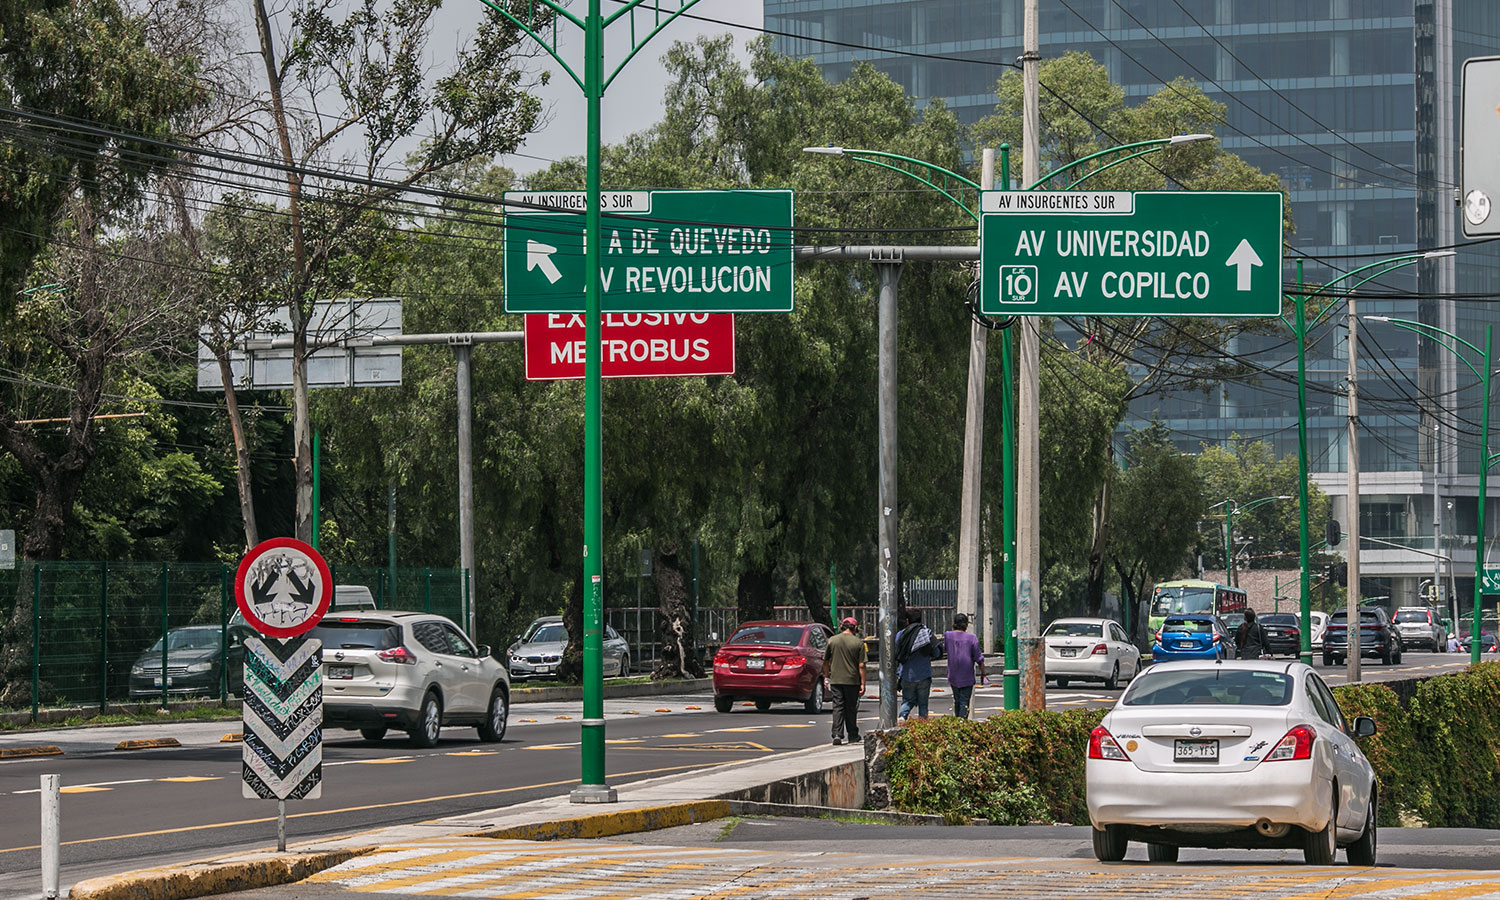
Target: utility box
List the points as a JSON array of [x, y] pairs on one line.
[[1479, 148]]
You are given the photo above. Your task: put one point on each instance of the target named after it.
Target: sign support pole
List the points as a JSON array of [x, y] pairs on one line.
[[1306, 582]]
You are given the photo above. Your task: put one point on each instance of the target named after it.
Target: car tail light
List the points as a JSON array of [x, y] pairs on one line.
[[1297, 744], [1214, 640], [1100, 648], [722, 659], [792, 662], [1102, 745], [398, 655], [1161, 637]]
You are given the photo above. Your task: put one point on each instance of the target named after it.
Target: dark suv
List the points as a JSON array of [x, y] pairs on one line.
[[1377, 637]]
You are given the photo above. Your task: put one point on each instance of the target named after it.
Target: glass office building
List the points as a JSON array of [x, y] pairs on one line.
[[1353, 104]]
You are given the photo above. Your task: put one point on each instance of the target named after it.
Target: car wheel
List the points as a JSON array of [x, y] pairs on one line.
[[373, 734], [814, 702], [1319, 847], [1385, 655], [625, 665], [1162, 852], [492, 729], [1110, 843], [1113, 681], [1396, 657], [1328, 660], [723, 704], [425, 732], [1062, 682], [1362, 851], [762, 705]]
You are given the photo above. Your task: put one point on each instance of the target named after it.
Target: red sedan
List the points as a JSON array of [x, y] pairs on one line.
[[769, 662]]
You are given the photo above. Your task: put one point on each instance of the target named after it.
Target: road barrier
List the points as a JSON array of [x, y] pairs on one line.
[[101, 631]]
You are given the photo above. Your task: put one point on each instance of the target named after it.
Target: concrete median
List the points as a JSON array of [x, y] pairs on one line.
[[213, 877]]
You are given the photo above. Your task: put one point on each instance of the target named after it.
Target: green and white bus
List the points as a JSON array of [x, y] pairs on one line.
[[1193, 596]]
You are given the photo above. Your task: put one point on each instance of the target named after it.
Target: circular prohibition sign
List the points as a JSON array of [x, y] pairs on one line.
[[283, 587]]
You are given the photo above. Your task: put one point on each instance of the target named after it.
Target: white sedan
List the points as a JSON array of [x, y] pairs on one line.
[[1249, 754], [1092, 649]]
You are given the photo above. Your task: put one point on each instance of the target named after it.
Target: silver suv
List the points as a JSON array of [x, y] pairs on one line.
[[411, 671], [1419, 627]]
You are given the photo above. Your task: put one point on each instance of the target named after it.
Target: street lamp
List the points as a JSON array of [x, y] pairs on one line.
[[1486, 459], [1233, 508], [1299, 327]]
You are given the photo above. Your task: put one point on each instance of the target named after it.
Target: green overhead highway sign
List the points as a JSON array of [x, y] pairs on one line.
[[1491, 582], [1117, 253], [663, 251]]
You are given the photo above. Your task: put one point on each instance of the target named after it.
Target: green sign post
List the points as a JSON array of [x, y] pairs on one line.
[[1117, 253], [661, 251]]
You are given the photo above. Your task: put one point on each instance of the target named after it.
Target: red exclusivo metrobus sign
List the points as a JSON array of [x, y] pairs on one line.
[[635, 345]]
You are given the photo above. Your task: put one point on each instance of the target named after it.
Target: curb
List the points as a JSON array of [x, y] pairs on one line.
[[784, 810], [203, 879], [18, 752], [519, 695], [615, 822]]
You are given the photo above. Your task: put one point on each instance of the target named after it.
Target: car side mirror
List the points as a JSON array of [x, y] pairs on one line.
[[1364, 726], [484, 650]]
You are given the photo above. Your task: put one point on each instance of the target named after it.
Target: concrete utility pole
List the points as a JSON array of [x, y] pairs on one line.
[[969, 503], [888, 270], [1351, 600], [1028, 418]]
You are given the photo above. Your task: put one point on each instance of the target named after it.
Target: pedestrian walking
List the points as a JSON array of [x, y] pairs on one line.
[[1250, 637], [846, 675], [964, 657], [915, 650]]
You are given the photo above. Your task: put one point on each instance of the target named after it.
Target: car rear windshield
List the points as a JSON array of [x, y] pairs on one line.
[[781, 635], [1340, 618], [1279, 619], [358, 635], [1221, 685], [190, 639], [1188, 626], [1073, 629], [1412, 615]]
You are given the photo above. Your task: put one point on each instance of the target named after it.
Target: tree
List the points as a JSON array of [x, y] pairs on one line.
[[1083, 112], [1245, 471], [1153, 520]]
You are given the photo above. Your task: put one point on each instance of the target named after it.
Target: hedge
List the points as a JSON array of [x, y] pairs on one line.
[[1437, 760]]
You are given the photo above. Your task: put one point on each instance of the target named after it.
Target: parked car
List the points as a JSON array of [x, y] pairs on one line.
[[1283, 633], [1232, 622], [1377, 637], [1419, 627], [1197, 754], [414, 672], [1319, 622], [1092, 649], [195, 655], [1192, 636], [538, 650], [771, 662]]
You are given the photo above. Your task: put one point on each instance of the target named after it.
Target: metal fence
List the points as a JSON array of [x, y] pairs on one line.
[[95, 625]]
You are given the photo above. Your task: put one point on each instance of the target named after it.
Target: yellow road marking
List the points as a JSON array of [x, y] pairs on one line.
[[82, 790], [382, 762], [683, 735], [472, 753], [189, 779]]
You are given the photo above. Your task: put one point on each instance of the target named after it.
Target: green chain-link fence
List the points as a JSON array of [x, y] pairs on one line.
[[103, 633]]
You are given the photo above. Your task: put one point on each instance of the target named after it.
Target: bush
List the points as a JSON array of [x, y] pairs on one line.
[[1456, 723], [1392, 750], [1012, 769]]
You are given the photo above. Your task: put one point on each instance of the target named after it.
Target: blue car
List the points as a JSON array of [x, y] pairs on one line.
[[1192, 636]]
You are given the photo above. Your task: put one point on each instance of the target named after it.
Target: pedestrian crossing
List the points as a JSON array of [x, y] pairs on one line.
[[601, 870]]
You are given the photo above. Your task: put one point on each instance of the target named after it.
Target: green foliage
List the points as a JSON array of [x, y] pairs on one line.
[[1012, 769], [1392, 750], [1456, 723], [1150, 536], [1246, 471]]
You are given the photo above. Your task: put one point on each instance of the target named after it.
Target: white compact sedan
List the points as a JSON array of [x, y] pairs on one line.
[[1249, 754], [1091, 649]]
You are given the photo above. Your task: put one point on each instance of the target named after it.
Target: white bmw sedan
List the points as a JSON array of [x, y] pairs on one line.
[[1249, 754]]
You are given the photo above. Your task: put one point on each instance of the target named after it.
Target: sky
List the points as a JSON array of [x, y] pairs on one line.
[[634, 101]]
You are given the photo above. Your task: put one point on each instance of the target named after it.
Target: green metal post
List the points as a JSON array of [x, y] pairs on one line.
[[695, 581], [317, 487], [390, 542], [833, 594], [103, 637], [36, 638], [1484, 470], [1012, 672], [592, 784], [164, 684], [1306, 605]]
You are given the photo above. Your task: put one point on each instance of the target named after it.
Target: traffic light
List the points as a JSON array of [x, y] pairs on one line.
[[1341, 574], [1333, 533]]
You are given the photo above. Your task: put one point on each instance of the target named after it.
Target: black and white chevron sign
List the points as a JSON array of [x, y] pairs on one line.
[[283, 719]]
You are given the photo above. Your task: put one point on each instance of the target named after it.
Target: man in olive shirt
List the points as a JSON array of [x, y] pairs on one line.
[[846, 674]]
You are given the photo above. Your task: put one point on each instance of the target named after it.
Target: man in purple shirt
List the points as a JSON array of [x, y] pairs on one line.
[[964, 657]]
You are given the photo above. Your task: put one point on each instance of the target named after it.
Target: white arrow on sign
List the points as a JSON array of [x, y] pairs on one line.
[[539, 255], [1242, 258]]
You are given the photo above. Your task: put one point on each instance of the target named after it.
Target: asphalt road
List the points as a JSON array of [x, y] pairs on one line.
[[127, 809]]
